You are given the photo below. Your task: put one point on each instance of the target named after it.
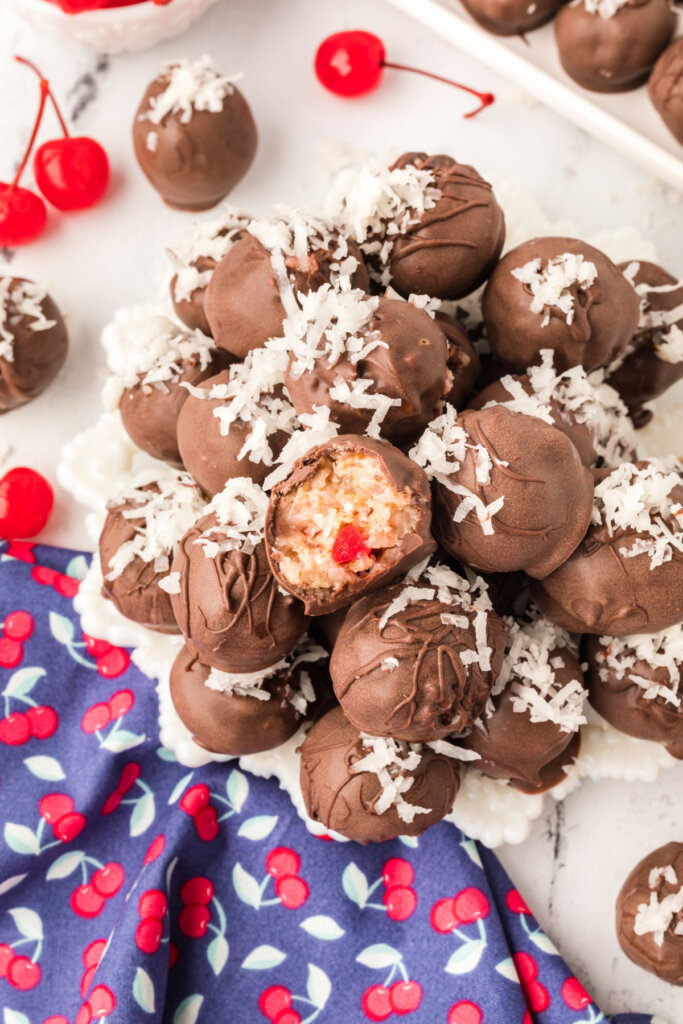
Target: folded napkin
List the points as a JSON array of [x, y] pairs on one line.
[[135, 890]]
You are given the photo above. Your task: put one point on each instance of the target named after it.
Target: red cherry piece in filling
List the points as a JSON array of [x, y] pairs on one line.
[[349, 545]]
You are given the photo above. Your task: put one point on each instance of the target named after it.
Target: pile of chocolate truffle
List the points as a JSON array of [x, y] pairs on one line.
[[376, 518]]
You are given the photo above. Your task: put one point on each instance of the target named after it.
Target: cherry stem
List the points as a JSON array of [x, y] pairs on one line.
[[44, 91], [31, 65], [485, 98]]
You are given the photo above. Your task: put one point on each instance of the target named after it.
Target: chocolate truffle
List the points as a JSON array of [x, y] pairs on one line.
[[650, 913], [194, 259], [151, 360], [33, 341], [511, 17], [226, 601], [417, 660], [636, 685], [611, 45], [380, 364], [245, 714], [626, 576], [653, 361], [510, 491], [560, 294], [269, 269], [584, 407], [528, 733], [194, 135], [463, 362], [372, 788], [666, 88], [353, 514], [139, 538]]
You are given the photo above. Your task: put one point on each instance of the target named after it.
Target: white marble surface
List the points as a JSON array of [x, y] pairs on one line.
[[572, 866]]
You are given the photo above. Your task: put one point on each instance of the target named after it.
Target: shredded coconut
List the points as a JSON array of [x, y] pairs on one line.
[[663, 650], [18, 300], [206, 240], [240, 511], [152, 141], [192, 85], [606, 9], [316, 429], [550, 285], [251, 684], [655, 917]]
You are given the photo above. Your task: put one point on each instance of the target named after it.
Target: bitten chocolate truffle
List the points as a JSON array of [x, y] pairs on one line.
[[653, 361], [245, 714], [650, 913], [371, 788], [226, 600], [560, 294], [635, 683], [139, 538], [353, 515], [194, 135], [417, 660], [528, 733], [33, 341], [611, 45], [626, 576], [666, 88], [511, 17], [510, 491], [268, 269]]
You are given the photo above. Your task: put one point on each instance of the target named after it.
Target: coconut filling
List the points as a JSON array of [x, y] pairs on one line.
[[342, 521]]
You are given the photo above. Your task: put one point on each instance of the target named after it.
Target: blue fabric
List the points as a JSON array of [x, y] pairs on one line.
[[215, 904]]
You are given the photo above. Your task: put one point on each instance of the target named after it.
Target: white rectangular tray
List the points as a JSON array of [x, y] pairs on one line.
[[626, 121]]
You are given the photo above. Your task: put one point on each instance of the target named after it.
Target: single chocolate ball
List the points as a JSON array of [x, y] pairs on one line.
[[417, 668], [451, 247], [358, 804], [353, 514], [194, 135], [463, 362], [560, 294], [626, 576], [611, 45], [510, 491], [666, 88], [636, 685], [511, 17], [649, 914], [33, 341]]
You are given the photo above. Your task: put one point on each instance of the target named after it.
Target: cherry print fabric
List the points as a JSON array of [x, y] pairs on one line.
[[135, 890]]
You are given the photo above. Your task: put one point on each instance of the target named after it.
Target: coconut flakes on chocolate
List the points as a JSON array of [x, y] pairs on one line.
[[657, 650], [550, 285], [240, 510], [209, 240], [654, 918], [251, 684], [20, 299], [192, 85]]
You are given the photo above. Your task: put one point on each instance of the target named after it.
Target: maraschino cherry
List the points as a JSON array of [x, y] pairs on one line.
[[351, 64], [26, 501], [72, 172], [22, 212]]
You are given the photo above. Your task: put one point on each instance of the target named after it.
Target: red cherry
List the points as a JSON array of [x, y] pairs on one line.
[[43, 721], [173, 955], [400, 902], [274, 1000], [26, 497], [465, 1012], [22, 552], [155, 849], [121, 703], [102, 1001], [67, 586], [376, 1002], [84, 1015], [194, 920], [86, 902], [15, 729], [197, 890], [206, 823], [23, 974], [18, 625], [72, 173], [292, 890], [93, 953], [397, 871], [153, 903], [148, 935], [405, 996], [22, 217], [111, 803], [87, 980], [516, 904], [55, 806], [108, 880], [6, 956], [575, 995], [470, 905], [68, 827], [282, 861], [537, 997], [129, 775], [526, 967], [96, 647], [442, 917], [95, 718], [11, 652], [195, 798], [526, 1019], [349, 545], [289, 1016], [113, 664], [77, 6]]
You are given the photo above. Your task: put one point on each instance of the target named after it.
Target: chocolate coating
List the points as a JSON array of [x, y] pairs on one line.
[[37, 356], [409, 366], [401, 474], [463, 361], [345, 802], [430, 693], [195, 165], [613, 54], [605, 315], [511, 17], [452, 248], [191, 311], [229, 607], [666, 961], [666, 88], [243, 304], [547, 495]]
